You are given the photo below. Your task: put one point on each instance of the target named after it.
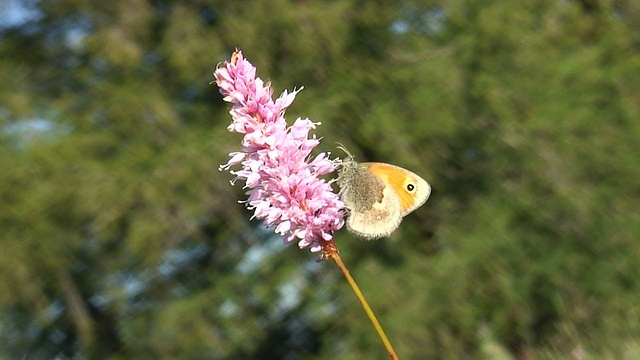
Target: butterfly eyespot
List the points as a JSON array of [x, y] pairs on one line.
[[410, 187]]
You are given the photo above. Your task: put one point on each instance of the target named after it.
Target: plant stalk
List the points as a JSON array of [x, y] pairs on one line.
[[335, 256]]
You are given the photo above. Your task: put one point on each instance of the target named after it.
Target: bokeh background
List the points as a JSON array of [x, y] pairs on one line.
[[120, 239]]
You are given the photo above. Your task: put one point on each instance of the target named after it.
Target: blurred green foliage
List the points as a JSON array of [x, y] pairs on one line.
[[121, 239]]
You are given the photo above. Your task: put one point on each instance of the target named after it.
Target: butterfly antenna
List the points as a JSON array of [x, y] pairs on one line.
[[343, 148]]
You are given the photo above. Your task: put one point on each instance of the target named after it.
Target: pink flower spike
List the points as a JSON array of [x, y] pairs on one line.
[[284, 187]]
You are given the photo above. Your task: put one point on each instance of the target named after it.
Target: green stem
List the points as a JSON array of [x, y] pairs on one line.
[[335, 256]]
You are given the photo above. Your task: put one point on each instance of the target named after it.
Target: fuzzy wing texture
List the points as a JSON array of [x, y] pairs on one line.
[[374, 208]]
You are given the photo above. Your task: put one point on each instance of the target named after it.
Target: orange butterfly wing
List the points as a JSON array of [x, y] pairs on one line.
[[411, 189]]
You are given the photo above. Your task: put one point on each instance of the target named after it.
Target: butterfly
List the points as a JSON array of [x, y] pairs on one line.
[[378, 195]]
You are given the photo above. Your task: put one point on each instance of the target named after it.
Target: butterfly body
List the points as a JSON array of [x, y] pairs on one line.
[[378, 196]]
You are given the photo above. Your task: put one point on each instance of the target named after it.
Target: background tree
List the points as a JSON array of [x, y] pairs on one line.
[[122, 240]]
